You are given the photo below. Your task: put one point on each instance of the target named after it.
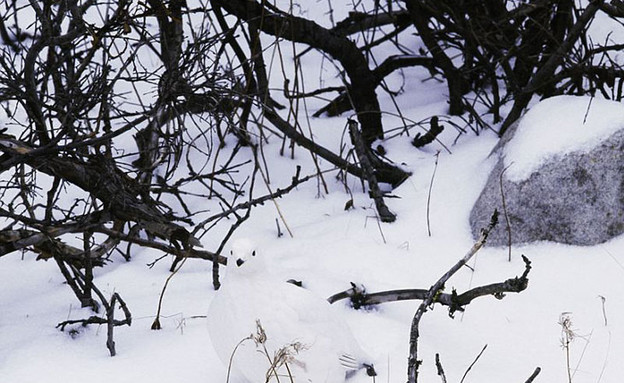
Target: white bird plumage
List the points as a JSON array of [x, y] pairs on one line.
[[255, 320]]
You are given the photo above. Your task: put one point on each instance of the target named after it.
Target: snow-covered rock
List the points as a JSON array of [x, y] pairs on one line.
[[562, 172]]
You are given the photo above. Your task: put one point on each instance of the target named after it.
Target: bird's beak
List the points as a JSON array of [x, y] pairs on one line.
[[239, 262]]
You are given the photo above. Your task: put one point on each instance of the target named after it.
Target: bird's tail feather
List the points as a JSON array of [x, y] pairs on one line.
[[349, 362], [353, 365]]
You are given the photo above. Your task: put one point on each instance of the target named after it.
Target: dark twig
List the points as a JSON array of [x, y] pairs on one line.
[[534, 375], [295, 181], [427, 138], [439, 368], [109, 320], [435, 168], [363, 153], [279, 230], [472, 364], [94, 319], [603, 300], [156, 324], [111, 323]]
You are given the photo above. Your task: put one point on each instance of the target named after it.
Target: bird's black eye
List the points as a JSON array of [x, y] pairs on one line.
[[231, 252], [253, 253]]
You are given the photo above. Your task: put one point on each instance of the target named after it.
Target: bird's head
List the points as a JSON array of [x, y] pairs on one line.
[[244, 258]]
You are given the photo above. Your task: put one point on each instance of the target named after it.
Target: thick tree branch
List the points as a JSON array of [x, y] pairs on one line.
[[457, 85], [296, 29], [341, 103], [384, 172], [101, 178]]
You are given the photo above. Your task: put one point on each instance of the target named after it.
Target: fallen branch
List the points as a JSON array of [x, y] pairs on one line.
[[412, 362], [109, 321], [363, 154], [456, 302], [94, 319]]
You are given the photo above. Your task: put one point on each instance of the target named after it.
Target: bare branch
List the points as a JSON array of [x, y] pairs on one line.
[[385, 215], [432, 295]]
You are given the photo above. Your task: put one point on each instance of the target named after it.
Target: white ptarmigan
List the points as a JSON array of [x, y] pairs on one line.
[[268, 330]]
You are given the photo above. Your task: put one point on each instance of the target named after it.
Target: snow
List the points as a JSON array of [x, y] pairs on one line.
[[557, 126], [332, 247]]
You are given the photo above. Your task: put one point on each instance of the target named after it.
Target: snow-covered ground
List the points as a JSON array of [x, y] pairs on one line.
[[331, 247]]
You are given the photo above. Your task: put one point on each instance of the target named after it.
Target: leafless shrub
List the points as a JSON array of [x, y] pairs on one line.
[[143, 124]]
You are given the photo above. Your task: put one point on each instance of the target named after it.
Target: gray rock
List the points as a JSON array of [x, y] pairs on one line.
[[577, 198]]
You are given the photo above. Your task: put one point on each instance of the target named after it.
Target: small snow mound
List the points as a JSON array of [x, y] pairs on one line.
[[557, 126]]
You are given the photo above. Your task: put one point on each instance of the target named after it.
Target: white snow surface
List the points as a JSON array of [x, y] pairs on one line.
[[557, 126], [332, 247]]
